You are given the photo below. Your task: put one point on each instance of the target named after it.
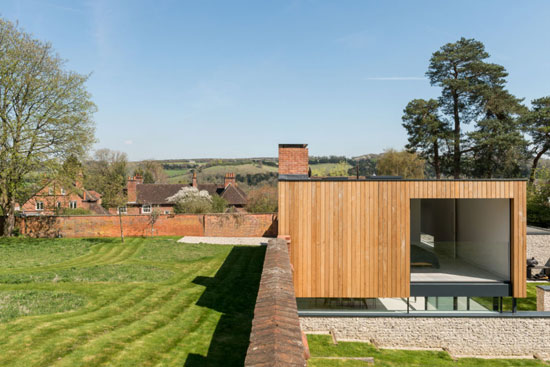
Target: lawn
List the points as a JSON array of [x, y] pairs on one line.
[[321, 347], [523, 304], [91, 302]]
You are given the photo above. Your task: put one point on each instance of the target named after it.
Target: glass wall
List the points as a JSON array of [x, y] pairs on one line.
[[396, 305], [460, 240]]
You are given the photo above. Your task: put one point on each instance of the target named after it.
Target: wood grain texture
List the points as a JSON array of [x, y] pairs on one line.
[[351, 238]]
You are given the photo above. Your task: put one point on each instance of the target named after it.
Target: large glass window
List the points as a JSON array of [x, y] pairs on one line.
[[460, 240]]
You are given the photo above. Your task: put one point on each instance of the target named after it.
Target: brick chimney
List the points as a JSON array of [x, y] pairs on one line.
[[293, 160], [195, 184], [131, 187], [229, 179]]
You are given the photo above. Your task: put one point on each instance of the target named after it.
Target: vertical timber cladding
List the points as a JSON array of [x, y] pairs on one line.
[[350, 238]]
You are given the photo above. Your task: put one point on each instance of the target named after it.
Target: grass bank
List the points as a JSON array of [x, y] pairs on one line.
[[323, 352]]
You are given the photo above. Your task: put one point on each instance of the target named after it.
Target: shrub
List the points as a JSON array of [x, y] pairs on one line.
[[191, 201], [219, 204], [263, 200]]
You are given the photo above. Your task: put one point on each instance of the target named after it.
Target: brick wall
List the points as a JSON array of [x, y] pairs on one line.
[[222, 225], [241, 225], [276, 338], [293, 159]]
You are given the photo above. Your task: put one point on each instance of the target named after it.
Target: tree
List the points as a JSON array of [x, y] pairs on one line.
[[45, 113], [497, 146], [262, 200], [219, 204], [460, 70], [107, 175], [403, 164], [536, 123], [190, 200], [153, 218], [427, 133]]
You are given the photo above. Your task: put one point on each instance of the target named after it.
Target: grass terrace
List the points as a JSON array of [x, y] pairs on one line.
[[326, 354], [92, 302]]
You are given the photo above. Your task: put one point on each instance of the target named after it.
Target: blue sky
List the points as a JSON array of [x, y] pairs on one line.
[[189, 79]]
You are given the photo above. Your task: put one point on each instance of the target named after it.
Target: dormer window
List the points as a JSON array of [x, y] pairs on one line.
[[72, 204]]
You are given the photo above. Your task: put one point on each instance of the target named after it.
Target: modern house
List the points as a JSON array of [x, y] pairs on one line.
[[144, 198], [54, 197], [391, 244]]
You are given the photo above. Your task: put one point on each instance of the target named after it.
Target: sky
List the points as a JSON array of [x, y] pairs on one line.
[[230, 79]]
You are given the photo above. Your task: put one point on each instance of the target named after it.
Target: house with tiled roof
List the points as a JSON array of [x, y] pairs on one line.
[[144, 198], [55, 196]]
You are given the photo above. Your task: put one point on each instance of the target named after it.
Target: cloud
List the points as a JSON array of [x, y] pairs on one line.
[[397, 78], [128, 142]]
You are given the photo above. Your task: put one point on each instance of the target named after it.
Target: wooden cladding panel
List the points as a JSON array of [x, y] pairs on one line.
[[351, 238]]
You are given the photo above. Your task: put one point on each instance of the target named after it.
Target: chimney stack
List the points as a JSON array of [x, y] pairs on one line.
[[293, 160], [229, 179], [131, 187], [195, 180]]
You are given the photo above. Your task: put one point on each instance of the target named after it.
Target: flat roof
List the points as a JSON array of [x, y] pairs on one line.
[[393, 179]]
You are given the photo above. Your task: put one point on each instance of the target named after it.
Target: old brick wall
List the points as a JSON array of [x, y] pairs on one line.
[[276, 338], [223, 225], [241, 225], [462, 336]]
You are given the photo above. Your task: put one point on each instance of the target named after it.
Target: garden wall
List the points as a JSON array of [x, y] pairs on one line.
[[217, 225], [276, 338]]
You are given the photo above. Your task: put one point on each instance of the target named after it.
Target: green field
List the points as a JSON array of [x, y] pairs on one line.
[[92, 302], [523, 304], [323, 352], [177, 175]]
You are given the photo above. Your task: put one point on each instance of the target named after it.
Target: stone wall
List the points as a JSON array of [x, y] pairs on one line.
[[538, 246], [462, 336], [276, 338], [543, 298], [217, 225]]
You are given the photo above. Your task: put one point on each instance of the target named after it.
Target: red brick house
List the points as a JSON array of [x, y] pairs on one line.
[[144, 198], [52, 198]]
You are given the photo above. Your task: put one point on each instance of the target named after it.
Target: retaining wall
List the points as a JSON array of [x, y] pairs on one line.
[[462, 336], [226, 225]]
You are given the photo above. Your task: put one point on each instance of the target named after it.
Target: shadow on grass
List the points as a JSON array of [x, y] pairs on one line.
[[232, 291]]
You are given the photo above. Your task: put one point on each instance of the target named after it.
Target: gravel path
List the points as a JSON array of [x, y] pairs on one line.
[[250, 241]]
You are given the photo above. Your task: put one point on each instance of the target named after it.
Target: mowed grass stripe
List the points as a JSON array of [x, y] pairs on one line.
[[102, 255], [109, 312], [149, 320], [131, 338], [79, 329], [137, 323]]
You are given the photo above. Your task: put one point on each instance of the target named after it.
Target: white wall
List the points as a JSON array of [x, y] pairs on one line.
[[483, 234]]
